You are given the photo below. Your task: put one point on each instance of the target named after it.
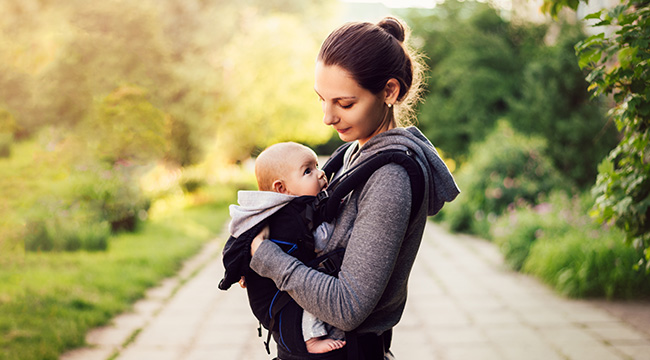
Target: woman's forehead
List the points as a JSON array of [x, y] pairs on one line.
[[332, 81]]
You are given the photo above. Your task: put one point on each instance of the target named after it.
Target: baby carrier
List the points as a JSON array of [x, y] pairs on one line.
[[292, 229]]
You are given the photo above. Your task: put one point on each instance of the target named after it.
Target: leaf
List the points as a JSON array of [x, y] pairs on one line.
[[644, 108], [589, 57], [605, 22], [595, 75], [626, 56], [618, 11], [595, 39], [606, 167], [573, 4], [595, 15]]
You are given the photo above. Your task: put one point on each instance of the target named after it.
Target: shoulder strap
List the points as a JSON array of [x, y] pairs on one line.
[[329, 200], [335, 162]]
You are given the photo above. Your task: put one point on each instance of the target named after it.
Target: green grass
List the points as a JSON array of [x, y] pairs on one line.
[[49, 301], [588, 264]]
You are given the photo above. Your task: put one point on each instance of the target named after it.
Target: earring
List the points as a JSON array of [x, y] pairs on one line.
[[390, 105]]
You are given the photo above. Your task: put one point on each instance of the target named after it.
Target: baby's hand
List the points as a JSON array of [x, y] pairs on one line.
[[263, 235], [242, 282]]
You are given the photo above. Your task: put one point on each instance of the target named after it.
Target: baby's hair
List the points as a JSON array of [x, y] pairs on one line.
[[271, 164]]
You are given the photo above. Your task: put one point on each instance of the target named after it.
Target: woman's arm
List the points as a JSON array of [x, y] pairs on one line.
[[374, 245]]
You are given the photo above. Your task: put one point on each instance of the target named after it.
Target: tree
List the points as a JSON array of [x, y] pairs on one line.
[[472, 65], [618, 61], [553, 102], [486, 68], [127, 127], [269, 96]]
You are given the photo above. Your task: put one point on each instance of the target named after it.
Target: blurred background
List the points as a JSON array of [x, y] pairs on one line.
[[126, 127]]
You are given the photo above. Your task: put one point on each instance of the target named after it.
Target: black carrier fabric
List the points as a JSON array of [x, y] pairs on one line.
[[292, 229]]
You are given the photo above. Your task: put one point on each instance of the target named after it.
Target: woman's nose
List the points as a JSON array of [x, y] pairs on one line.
[[329, 118]]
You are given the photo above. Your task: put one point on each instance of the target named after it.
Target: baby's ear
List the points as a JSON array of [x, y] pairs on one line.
[[278, 186]]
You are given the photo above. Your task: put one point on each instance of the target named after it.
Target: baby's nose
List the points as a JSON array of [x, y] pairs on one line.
[[322, 176]]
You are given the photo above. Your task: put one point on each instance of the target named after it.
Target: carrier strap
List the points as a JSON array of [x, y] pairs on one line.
[[280, 300], [329, 200], [335, 161]]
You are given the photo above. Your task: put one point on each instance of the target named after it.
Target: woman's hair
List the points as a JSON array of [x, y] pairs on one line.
[[374, 54]]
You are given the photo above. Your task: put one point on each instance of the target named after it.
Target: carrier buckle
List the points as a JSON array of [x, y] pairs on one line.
[[321, 197], [327, 266]]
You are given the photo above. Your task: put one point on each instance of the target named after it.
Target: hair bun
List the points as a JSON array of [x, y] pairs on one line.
[[393, 26]]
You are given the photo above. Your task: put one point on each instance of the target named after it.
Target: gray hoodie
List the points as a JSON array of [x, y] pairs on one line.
[[381, 243]]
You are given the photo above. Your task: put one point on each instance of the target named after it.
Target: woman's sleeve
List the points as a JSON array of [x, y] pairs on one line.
[[345, 302]]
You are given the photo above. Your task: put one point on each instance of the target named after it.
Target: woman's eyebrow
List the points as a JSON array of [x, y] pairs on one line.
[[338, 98]]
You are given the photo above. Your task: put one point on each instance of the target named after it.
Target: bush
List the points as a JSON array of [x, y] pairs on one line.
[[557, 242], [82, 212], [473, 72], [112, 192], [504, 169], [7, 129], [55, 228], [590, 263], [559, 109], [517, 230]]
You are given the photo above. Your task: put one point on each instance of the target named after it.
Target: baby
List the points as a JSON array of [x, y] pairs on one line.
[[290, 169]]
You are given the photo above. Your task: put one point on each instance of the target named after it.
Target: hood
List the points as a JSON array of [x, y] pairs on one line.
[[254, 207], [441, 186]]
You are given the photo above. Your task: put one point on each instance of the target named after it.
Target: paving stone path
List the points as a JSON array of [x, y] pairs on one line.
[[463, 304]]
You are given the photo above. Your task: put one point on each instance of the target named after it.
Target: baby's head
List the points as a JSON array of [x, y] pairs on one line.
[[289, 168]]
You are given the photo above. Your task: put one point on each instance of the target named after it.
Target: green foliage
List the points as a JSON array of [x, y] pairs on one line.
[[211, 68], [54, 228], [558, 109], [49, 301], [127, 127], [485, 68], [504, 169], [100, 93], [7, 130], [110, 193], [266, 110], [557, 242], [594, 263], [472, 63], [68, 201], [82, 212], [522, 225], [618, 64]]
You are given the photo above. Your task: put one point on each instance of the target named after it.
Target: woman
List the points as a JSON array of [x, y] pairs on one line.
[[366, 80]]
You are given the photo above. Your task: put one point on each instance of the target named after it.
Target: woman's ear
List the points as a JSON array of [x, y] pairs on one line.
[[278, 186], [391, 91]]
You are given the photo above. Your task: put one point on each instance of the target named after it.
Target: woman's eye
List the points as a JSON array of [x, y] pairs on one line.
[[346, 106]]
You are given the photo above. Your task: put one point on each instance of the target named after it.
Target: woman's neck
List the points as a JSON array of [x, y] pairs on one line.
[[383, 127]]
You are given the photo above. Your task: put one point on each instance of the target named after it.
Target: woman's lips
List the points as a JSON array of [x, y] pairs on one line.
[[342, 131]]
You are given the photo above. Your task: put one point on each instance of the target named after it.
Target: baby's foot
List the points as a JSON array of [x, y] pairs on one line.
[[323, 345]]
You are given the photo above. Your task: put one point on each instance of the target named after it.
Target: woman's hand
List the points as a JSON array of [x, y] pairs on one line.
[[263, 235]]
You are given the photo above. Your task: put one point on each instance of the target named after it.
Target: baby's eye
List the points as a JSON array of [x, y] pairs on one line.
[[307, 171]]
